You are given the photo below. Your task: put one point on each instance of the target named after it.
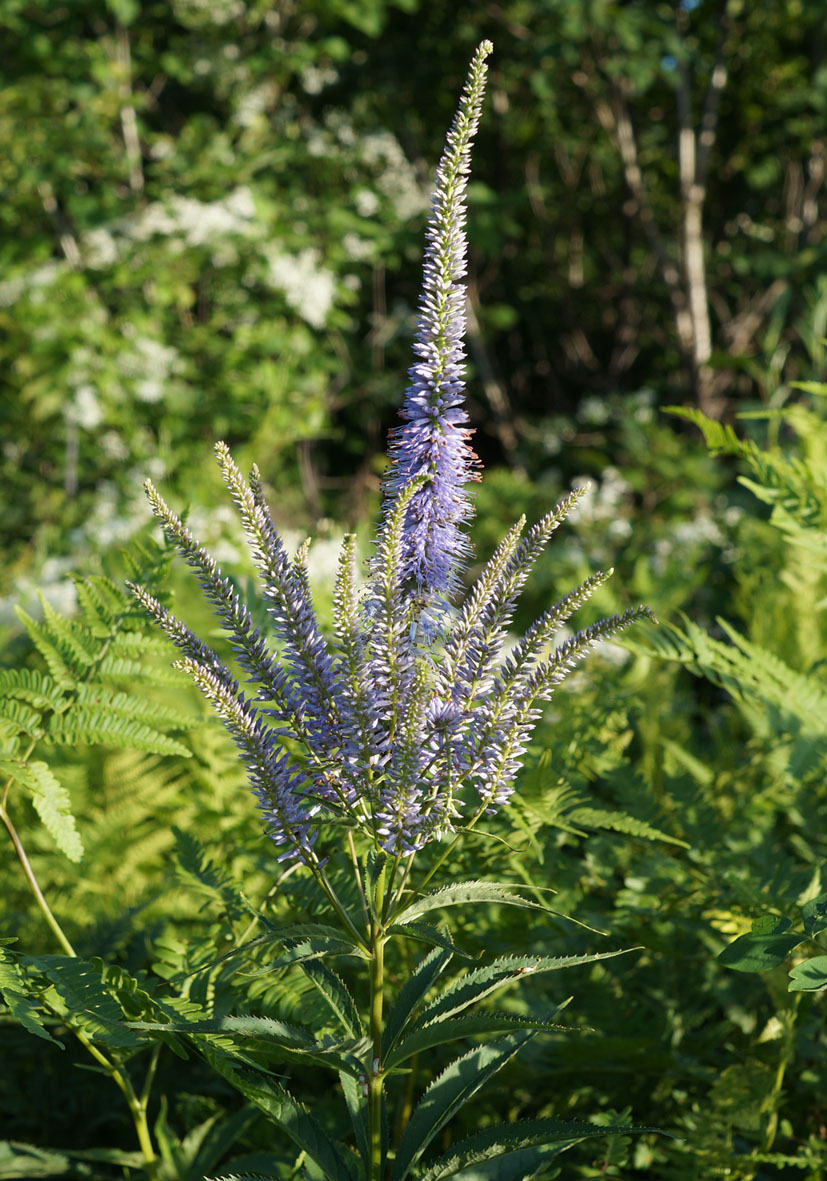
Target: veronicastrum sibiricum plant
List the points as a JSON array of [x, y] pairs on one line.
[[406, 727]]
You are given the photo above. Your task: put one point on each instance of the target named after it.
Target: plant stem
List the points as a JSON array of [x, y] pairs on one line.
[[377, 996], [137, 1107], [447, 853], [321, 878], [57, 930]]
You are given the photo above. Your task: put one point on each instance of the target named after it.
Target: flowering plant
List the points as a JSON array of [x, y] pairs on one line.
[[406, 728]]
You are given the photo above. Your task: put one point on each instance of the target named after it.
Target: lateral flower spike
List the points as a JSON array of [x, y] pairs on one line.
[[409, 720], [434, 440]]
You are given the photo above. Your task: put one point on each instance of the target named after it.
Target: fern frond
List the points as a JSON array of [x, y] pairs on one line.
[[92, 727], [32, 686], [55, 660]]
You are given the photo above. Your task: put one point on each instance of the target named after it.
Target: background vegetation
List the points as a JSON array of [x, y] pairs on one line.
[[212, 229]]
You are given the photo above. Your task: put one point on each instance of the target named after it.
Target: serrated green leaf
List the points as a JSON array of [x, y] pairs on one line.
[[304, 950], [504, 1140], [460, 893], [357, 1107], [458, 1083], [293, 1042], [412, 993], [439, 1033], [481, 982], [814, 914], [244, 1177], [426, 933], [810, 975], [285, 1111], [335, 992], [19, 1160]]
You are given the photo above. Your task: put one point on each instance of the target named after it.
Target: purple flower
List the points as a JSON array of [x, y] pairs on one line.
[[434, 440], [383, 725]]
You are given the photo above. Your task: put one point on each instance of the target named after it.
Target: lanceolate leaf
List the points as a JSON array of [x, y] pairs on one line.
[[335, 992], [441, 1032], [357, 1106], [460, 893], [290, 1041], [507, 1139], [426, 933], [285, 1111], [412, 994], [447, 1094], [481, 982]]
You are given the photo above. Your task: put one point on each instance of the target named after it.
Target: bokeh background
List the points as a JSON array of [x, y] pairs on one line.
[[212, 227]]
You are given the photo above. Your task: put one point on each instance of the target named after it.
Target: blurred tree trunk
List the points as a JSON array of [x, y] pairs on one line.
[[685, 276]]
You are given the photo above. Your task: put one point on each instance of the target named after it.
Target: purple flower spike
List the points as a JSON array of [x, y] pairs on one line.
[[434, 441], [384, 726]]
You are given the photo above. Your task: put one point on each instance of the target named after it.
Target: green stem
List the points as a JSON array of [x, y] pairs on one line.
[[351, 844], [785, 1058], [393, 903], [321, 878], [137, 1107], [57, 930], [444, 856], [377, 996]]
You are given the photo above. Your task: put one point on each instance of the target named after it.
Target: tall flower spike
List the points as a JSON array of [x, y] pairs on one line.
[[434, 439], [387, 726]]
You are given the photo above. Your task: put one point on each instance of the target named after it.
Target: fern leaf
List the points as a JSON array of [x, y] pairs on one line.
[[73, 640], [87, 1003], [139, 709], [16, 717], [98, 728], [22, 1005], [621, 822], [31, 686], [57, 665], [51, 801]]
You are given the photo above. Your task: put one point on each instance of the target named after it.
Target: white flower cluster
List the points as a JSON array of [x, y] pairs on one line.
[[308, 287]]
